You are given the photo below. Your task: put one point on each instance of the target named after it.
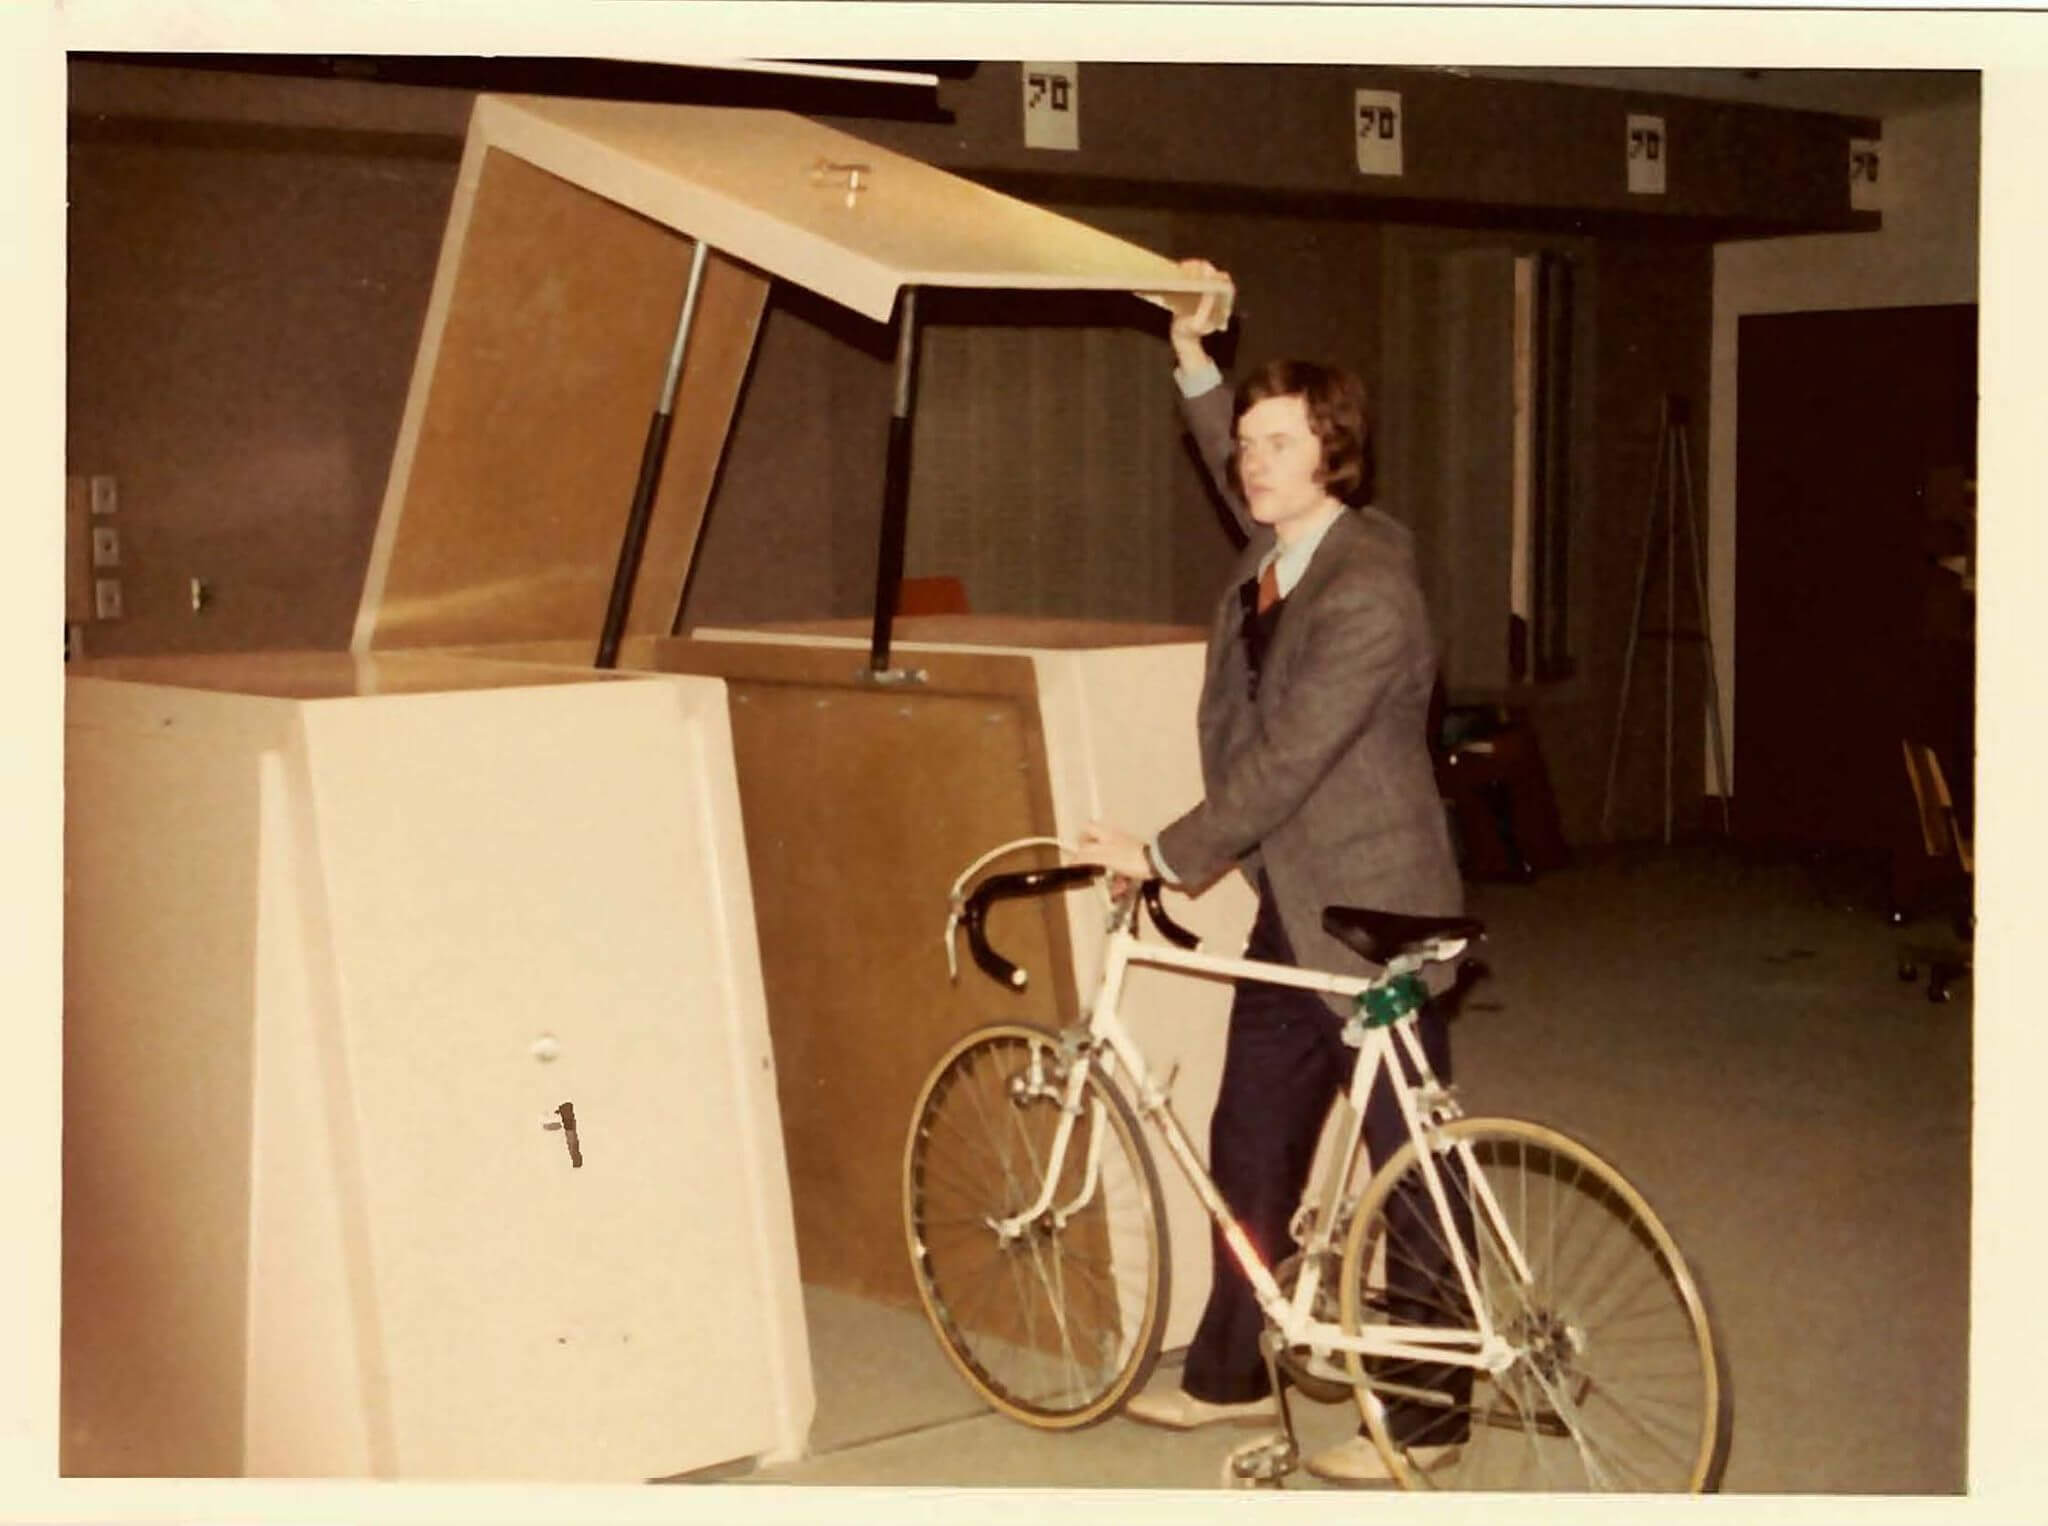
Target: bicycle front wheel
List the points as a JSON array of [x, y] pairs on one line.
[[1056, 1317], [1614, 1380]]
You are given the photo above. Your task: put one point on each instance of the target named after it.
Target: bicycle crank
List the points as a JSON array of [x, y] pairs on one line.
[[1317, 1377]]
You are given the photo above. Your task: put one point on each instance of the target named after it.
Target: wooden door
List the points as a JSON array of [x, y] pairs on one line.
[[1847, 422]]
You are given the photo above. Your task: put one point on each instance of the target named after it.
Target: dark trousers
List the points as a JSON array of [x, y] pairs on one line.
[[1284, 1063]]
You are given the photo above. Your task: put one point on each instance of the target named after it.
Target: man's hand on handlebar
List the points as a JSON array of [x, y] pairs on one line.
[[1117, 851], [1102, 847]]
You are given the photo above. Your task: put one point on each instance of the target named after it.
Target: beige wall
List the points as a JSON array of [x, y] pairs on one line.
[[1926, 254]]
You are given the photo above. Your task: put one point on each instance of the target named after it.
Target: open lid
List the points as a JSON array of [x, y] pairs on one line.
[[553, 315]]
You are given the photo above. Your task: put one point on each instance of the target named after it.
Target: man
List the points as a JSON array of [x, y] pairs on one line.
[[1318, 785]]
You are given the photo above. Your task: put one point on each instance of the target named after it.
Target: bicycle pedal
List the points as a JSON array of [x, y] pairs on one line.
[[1260, 1464]]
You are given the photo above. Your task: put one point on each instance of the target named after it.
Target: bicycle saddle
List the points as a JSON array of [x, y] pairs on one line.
[[1385, 935]]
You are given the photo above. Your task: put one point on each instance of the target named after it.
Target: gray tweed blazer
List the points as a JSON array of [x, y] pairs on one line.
[[1325, 781]]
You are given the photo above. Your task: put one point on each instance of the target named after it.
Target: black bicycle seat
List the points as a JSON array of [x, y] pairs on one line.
[[1382, 936]]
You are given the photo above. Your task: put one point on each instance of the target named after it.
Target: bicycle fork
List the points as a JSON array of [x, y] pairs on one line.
[[1023, 1088]]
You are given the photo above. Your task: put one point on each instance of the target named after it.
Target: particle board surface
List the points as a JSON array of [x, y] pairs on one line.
[[1109, 710], [861, 806], [554, 310], [547, 339]]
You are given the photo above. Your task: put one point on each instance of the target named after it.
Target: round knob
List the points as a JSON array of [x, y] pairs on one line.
[[546, 1047]]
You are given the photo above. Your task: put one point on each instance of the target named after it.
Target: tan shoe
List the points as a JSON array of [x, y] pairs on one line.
[[1178, 1410], [1358, 1461]]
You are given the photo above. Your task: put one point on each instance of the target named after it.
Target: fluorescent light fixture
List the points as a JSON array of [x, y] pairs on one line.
[[824, 71]]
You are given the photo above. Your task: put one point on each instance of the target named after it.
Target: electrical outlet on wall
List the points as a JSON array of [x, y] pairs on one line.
[[106, 546], [104, 499], [106, 598]]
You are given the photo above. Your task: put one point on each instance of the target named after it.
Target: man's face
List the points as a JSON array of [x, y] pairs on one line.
[[1280, 462]]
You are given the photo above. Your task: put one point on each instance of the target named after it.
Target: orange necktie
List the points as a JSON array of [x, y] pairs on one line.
[[1269, 588]]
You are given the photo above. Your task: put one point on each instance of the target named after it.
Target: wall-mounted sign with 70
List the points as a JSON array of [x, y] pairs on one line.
[[1376, 122], [1052, 106], [1649, 153]]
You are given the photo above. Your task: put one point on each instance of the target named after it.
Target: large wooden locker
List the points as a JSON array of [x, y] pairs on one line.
[[565, 226], [353, 938], [420, 1111]]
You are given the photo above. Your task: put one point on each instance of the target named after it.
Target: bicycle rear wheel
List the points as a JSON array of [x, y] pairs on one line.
[[1055, 1322], [1615, 1380]]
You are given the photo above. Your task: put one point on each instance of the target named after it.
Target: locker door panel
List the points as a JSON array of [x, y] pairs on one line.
[[508, 874]]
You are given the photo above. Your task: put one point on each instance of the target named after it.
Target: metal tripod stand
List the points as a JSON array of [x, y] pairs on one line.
[[1670, 496]]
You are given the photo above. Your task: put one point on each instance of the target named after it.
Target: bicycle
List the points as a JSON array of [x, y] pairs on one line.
[[1496, 1282]]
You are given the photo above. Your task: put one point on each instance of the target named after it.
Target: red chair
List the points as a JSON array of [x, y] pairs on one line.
[[931, 596]]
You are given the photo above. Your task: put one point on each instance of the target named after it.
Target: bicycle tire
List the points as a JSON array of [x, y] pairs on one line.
[[1616, 1382], [1059, 1325]]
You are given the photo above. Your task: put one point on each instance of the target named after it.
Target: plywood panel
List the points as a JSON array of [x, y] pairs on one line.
[[546, 342], [861, 806], [1113, 709]]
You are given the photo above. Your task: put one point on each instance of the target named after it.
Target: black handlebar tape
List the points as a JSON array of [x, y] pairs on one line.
[[1172, 930], [993, 965], [1002, 887]]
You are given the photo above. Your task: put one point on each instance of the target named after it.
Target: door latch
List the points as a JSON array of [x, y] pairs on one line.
[[565, 1121]]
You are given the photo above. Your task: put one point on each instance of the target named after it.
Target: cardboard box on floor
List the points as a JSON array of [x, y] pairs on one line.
[[345, 933]]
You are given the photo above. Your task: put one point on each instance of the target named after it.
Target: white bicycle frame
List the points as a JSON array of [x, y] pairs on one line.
[[1424, 1105]]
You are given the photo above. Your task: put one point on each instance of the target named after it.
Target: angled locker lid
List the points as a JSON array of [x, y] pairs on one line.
[[550, 325], [848, 219]]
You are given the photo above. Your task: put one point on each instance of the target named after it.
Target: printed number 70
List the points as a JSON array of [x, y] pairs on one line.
[[1059, 86]]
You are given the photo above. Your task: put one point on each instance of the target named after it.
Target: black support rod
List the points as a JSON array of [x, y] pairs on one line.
[[895, 487], [652, 454]]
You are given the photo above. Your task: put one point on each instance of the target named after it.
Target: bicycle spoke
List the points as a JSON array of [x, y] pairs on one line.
[[1611, 1383], [1055, 1321]]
